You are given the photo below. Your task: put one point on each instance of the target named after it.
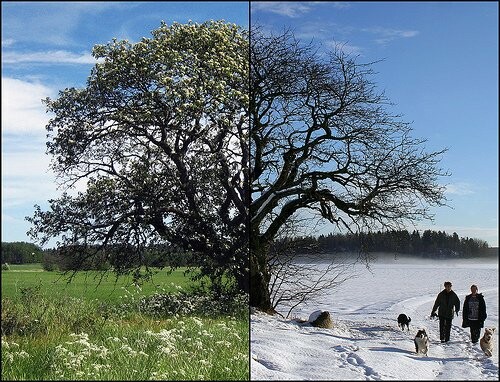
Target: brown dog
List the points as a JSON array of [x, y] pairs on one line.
[[486, 341]]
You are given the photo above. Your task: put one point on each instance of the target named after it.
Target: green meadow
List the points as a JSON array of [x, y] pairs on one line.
[[99, 327], [88, 285]]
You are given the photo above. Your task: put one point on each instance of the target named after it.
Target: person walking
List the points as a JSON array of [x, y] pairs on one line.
[[447, 303], [474, 313]]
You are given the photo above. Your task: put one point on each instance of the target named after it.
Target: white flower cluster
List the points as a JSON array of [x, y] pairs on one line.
[[11, 351]]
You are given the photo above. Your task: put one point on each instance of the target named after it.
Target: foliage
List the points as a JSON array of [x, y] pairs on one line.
[[21, 253], [63, 258], [160, 136], [202, 304], [324, 144]]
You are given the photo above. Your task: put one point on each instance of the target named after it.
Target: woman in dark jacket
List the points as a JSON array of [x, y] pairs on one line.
[[474, 313]]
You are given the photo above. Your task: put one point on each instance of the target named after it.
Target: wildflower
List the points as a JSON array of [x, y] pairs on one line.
[[129, 350], [198, 344], [206, 334], [224, 342], [23, 354], [197, 321], [164, 349]]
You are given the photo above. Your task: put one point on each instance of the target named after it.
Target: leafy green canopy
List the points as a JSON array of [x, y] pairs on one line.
[[158, 139]]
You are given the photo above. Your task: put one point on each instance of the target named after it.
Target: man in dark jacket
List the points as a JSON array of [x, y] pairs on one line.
[[474, 313], [448, 303]]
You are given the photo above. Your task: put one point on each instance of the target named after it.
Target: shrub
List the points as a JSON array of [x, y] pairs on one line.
[[193, 303], [33, 313], [50, 267], [5, 267]]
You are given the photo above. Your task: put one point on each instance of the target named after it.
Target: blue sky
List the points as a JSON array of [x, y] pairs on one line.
[[440, 68], [45, 48]]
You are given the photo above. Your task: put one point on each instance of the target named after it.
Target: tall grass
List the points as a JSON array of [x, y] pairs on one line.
[[189, 348], [54, 336]]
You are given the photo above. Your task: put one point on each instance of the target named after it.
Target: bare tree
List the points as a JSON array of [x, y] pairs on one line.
[[322, 141]]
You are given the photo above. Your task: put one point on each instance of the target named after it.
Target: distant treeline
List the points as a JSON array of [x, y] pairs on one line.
[[67, 258], [21, 253], [428, 244]]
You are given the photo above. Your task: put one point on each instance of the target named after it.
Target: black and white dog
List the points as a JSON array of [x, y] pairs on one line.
[[403, 320], [421, 342]]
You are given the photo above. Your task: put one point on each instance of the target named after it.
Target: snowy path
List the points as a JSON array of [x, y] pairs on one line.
[[366, 343]]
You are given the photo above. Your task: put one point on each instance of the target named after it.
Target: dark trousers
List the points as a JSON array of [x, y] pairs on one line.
[[475, 331], [444, 329]]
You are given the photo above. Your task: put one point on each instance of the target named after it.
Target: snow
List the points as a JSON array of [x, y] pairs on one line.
[[366, 342]]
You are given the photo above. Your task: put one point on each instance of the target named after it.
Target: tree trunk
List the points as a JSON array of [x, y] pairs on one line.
[[259, 276], [243, 282]]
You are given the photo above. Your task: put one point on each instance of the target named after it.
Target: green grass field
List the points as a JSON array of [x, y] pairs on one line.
[[88, 284], [52, 330]]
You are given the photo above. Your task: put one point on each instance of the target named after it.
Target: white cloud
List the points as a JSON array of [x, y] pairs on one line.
[[284, 8], [54, 22], [51, 57], [25, 164], [7, 42], [459, 188], [385, 35], [346, 47], [25, 192], [337, 4], [293, 9], [22, 109]]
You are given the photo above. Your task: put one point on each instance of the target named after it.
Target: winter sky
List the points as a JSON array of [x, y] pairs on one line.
[[440, 67]]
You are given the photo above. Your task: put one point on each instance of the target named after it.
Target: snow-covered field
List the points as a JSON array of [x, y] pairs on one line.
[[366, 343]]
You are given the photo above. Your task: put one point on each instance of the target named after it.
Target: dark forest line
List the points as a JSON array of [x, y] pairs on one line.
[[434, 244], [429, 244]]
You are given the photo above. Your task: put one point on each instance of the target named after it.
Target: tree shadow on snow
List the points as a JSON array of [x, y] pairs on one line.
[[441, 359], [413, 355], [339, 337]]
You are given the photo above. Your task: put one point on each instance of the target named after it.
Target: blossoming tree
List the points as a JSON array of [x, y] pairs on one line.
[[158, 141]]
